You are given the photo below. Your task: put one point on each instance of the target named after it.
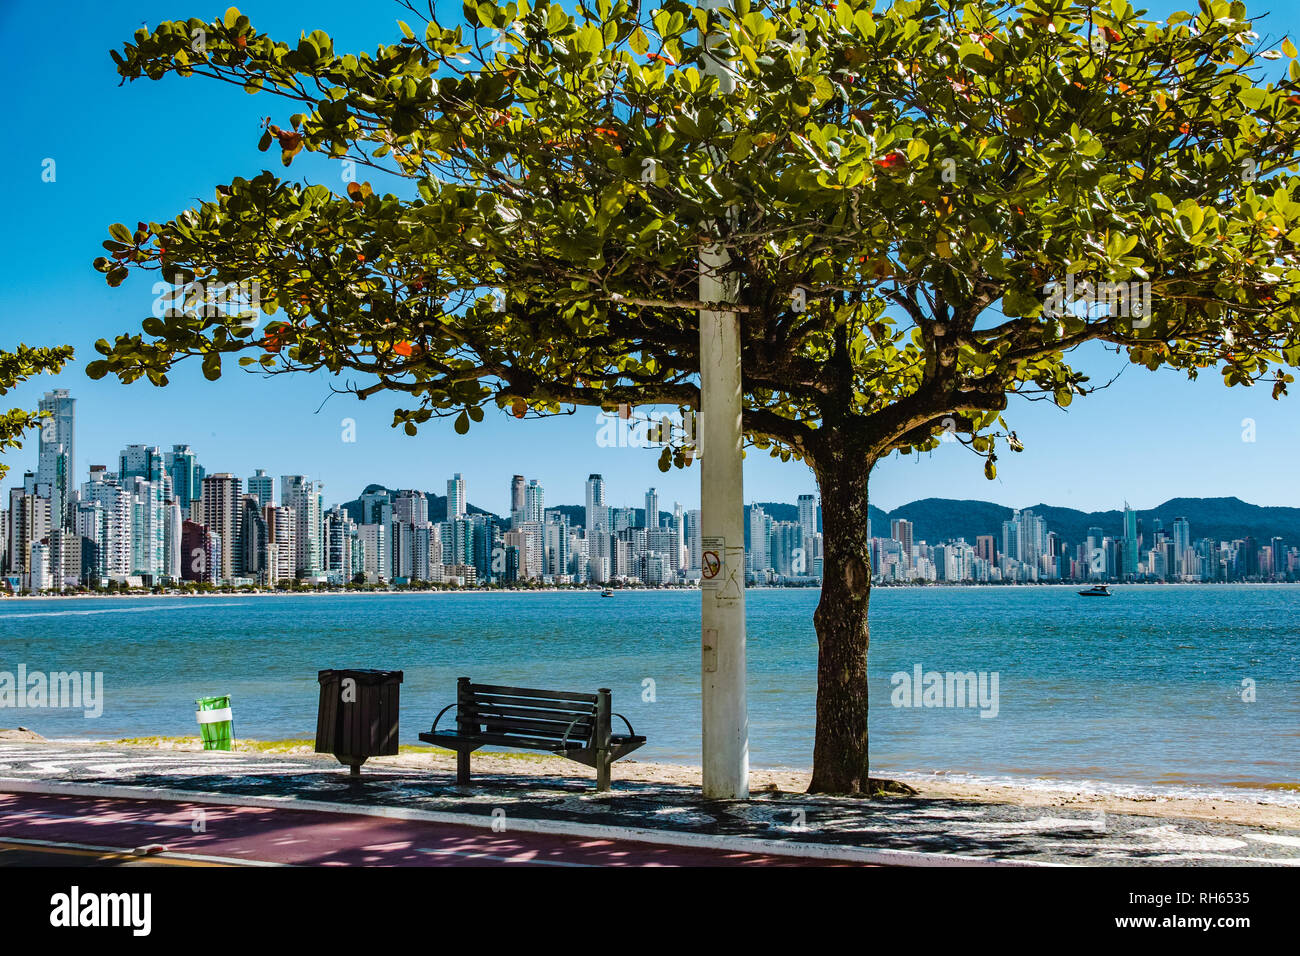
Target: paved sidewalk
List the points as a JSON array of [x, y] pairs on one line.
[[890, 830]]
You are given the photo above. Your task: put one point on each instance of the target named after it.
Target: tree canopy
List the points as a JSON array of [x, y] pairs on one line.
[[925, 209], [17, 367], [951, 160]]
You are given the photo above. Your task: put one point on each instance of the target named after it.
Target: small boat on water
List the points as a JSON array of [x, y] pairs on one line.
[[608, 592], [1097, 590]]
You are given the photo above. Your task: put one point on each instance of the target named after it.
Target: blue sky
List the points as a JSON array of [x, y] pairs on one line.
[[148, 150]]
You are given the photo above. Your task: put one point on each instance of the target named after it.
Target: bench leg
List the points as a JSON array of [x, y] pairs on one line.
[[462, 766], [602, 770]]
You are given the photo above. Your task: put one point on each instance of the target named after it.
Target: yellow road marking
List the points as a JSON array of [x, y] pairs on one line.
[[71, 849]]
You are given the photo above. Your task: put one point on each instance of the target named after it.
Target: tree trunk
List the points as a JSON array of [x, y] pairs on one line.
[[840, 747]]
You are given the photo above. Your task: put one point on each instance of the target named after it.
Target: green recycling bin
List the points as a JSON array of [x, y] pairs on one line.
[[216, 724]]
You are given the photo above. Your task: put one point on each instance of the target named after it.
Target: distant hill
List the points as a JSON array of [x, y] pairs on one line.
[[937, 519], [437, 504], [1222, 519]]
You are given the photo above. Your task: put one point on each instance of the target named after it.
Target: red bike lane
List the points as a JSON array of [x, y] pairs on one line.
[[231, 834]]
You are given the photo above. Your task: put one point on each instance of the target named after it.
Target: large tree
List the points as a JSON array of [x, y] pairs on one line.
[[926, 209], [16, 367]]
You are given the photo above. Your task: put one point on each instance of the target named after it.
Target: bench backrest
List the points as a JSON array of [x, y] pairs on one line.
[[531, 715]]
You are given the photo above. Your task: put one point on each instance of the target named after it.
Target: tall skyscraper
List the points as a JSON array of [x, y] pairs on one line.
[[1182, 541], [597, 515], [186, 474], [455, 497], [254, 539], [652, 508], [282, 542], [140, 461], [148, 529], [411, 508], [305, 498], [1129, 560], [901, 531], [55, 470], [116, 502], [263, 486], [534, 502], [809, 515], [517, 484], [221, 517], [759, 559]]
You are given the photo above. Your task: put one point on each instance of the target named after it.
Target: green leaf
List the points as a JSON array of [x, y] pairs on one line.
[[212, 366], [461, 424]]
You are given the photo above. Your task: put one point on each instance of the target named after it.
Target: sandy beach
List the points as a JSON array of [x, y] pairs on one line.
[[1246, 809]]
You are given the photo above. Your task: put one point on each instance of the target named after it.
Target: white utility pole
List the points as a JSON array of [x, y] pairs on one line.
[[722, 523]]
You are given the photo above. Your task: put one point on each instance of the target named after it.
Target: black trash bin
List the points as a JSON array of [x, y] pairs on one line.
[[357, 718]]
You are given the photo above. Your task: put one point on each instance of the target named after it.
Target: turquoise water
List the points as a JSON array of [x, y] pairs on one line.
[[1142, 689]]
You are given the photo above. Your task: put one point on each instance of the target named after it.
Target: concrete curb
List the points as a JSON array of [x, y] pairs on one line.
[[812, 851]]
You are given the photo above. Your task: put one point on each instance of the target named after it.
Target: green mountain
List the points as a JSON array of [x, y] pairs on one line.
[[937, 519], [1222, 519], [437, 504]]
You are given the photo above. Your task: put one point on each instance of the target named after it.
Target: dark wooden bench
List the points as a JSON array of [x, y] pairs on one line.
[[577, 726]]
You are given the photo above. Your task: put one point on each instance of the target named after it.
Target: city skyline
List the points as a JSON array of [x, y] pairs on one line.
[[34, 446], [162, 519]]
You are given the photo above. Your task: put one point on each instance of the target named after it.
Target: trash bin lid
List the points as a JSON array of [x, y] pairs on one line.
[[361, 676]]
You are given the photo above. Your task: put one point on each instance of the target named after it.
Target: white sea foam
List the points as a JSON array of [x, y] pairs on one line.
[[114, 610]]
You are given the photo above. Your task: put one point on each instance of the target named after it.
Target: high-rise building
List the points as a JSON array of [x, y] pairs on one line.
[[455, 497], [1182, 532], [186, 475], [202, 553], [597, 514], [900, 530], [282, 542], [116, 502], [377, 513], [263, 486], [759, 560], [340, 531], [694, 543], [810, 521], [305, 498], [411, 508], [94, 546], [534, 503], [220, 511], [56, 454], [29, 524], [140, 461], [1129, 554], [375, 538], [148, 529], [652, 508], [517, 484], [254, 539]]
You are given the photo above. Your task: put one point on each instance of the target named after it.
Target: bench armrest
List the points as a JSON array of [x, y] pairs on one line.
[[631, 732], [434, 730], [564, 742]]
